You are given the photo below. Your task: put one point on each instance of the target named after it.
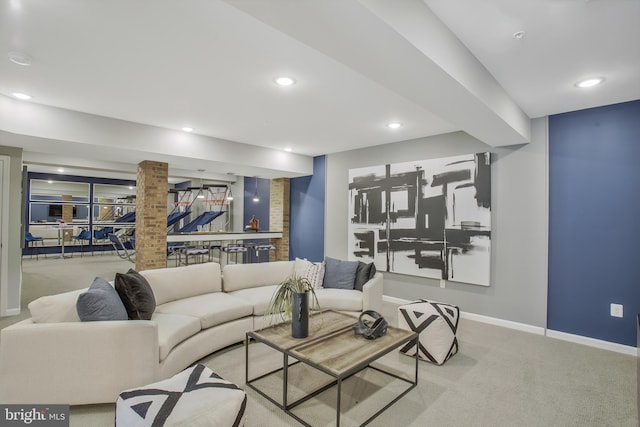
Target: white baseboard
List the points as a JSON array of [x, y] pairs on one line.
[[395, 300], [11, 312], [591, 342], [504, 323]]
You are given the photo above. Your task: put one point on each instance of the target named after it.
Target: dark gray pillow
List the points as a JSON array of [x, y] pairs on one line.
[[339, 274], [364, 273], [100, 302], [136, 295]]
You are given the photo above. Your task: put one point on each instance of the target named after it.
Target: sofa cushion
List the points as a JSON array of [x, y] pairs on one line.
[[243, 276], [364, 273], [136, 295], [259, 297], [339, 274], [212, 309], [313, 271], [100, 302], [339, 299], [170, 284], [173, 329], [56, 308]]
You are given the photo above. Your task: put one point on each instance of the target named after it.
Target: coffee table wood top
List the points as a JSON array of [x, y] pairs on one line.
[[331, 345], [344, 353], [320, 325]]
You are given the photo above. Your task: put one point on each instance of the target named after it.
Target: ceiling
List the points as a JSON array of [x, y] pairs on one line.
[[435, 66]]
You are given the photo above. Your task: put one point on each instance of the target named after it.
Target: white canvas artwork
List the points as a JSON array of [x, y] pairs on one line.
[[430, 218]]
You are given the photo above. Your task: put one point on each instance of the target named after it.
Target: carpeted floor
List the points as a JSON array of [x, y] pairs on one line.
[[500, 377], [51, 275]]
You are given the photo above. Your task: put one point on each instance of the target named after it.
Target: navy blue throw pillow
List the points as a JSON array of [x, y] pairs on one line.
[[339, 274], [100, 302]]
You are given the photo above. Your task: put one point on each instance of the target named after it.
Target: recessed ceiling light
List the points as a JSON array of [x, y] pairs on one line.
[[285, 81], [60, 170], [131, 187], [49, 182], [394, 125], [187, 129], [590, 82], [288, 149], [519, 35], [22, 96], [20, 58]]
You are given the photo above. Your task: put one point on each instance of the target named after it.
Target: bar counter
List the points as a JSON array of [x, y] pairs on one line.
[[208, 236]]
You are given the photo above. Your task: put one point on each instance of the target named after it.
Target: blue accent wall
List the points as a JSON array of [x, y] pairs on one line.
[[306, 237], [259, 209], [594, 222]]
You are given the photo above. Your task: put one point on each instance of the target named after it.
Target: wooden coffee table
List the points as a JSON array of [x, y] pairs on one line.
[[333, 349]]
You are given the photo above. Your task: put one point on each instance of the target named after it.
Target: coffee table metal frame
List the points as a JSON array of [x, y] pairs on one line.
[[296, 352]]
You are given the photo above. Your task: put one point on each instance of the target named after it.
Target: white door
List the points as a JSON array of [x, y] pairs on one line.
[[4, 224]]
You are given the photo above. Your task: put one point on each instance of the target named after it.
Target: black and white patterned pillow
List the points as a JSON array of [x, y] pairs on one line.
[[313, 271]]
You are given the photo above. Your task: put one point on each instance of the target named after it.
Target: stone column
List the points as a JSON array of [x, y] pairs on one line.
[[279, 217], [106, 213], [67, 217], [152, 186]]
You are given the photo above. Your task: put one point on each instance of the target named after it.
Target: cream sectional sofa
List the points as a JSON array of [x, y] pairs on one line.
[[53, 357]]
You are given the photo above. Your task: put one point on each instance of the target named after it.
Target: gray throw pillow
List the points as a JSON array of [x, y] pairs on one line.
[[339, 274], [136, 295], [364, 273], [100, 302]]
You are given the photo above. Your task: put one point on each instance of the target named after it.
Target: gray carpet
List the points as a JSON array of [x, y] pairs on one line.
[[51, 275], [500, 377]]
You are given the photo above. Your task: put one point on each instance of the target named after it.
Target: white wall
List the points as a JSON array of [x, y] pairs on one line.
[[15, 228], [518, 290]]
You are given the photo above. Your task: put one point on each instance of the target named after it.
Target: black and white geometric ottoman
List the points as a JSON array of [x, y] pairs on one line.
[[436, 324], [193, 397]]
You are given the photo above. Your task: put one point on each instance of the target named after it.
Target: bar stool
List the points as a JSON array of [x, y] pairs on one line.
[[82, 237], [262, 248], [196, 253], [234, 248], [215, 247], [32, 242]]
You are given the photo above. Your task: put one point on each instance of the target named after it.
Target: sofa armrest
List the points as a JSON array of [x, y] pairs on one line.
[[76, 362], [372, 293]]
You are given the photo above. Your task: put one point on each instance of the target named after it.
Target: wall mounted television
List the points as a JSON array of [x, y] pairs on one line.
[[56, 210]]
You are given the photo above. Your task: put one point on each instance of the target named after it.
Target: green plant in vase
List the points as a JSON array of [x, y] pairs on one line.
[[291, 302]]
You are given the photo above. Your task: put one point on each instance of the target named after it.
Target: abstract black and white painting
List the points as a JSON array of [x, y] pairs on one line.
[[429, 218]]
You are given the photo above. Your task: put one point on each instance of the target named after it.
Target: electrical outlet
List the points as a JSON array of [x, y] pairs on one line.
[[616, 310]]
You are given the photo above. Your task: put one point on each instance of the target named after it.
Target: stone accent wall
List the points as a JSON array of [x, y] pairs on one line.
[[279, 217], [67, 217], [152, 186]]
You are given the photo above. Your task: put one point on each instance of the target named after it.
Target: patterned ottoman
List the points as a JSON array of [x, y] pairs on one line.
[[193, 397], [436, 323]]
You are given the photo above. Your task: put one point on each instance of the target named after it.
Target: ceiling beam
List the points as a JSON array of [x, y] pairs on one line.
[[52, 131], [405, 48]]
